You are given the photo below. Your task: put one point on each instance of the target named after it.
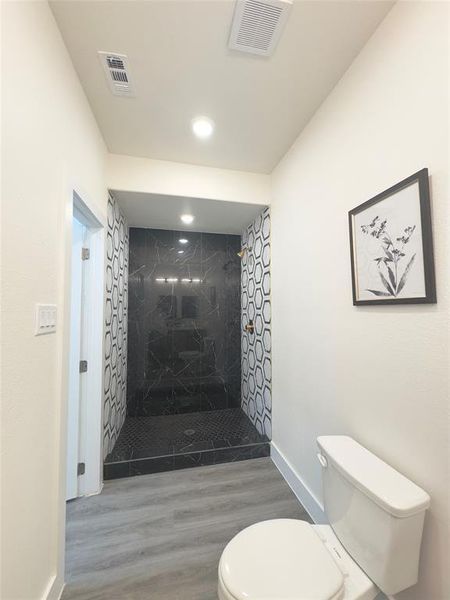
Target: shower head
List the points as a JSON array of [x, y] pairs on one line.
[[242, 251]]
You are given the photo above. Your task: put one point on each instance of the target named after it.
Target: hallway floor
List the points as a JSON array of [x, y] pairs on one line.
[[168, 442], [160, 537]]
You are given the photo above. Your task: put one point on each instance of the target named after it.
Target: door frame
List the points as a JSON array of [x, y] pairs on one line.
[[79, 235], [92, 327], [76, 201]]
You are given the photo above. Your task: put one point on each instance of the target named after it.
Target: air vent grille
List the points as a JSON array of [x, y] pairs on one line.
[[119, 76], [114, 62], [257, 25], [117, 73]]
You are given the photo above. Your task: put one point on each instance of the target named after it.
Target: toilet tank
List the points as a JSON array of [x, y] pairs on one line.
[[376, 512]]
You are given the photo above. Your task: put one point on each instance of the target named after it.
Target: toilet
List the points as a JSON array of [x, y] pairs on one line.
[[372, 542]]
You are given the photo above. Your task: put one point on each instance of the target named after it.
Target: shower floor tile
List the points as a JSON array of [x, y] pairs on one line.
[[163, 443]]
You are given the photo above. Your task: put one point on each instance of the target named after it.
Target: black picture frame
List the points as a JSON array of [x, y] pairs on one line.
[[422, 179]]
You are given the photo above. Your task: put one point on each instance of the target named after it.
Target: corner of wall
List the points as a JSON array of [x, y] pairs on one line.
[[54, 589]]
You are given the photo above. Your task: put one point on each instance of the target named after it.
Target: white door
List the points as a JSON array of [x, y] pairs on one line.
[[76, 312]]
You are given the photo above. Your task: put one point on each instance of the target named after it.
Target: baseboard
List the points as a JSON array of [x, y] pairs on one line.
[[96, 493], [54, 589], [308, 500]]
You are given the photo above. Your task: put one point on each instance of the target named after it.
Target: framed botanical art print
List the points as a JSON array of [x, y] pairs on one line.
[[391, 245]]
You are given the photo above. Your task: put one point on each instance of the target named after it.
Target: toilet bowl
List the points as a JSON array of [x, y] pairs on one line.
[[372, 542], [288, 559]]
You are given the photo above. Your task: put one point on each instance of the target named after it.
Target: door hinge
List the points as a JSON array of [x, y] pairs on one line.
[[81, 468], [83, 366], [85, 254]]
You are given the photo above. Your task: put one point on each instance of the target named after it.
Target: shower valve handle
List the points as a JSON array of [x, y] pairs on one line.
[[250, 328]]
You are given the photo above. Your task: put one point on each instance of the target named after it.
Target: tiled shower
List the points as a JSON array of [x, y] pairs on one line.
[[184, 322], [190, 398]]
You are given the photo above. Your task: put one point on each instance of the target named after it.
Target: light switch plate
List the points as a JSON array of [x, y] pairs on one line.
[[45, 319]]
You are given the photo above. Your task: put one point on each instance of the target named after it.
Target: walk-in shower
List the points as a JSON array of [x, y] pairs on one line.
[[193, 393]]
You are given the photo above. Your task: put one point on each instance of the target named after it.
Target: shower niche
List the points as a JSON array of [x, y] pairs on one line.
[[184, 367]]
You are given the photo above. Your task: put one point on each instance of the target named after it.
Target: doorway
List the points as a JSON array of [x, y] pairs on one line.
[[84, 414]]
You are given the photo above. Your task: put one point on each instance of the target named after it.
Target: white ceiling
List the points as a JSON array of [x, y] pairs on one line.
[[163, 212], [181, 67]]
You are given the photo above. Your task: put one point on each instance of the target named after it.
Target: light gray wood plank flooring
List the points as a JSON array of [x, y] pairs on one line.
[[160, 537]]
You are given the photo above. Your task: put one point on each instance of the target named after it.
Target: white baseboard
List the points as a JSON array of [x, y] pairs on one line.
[[308, 500], [98, 491], [54, 589]]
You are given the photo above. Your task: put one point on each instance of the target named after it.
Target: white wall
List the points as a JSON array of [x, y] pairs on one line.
[[50, 142], [179, 179], [379, 374]]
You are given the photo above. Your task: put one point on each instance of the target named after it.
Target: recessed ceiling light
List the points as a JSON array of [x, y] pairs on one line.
[[183, 241], [202, 127], [180, 251], [187, 219]]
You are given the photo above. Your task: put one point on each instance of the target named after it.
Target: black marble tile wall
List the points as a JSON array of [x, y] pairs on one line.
[[184, 336]]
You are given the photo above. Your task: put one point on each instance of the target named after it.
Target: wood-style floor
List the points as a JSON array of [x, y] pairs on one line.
[[160, 537]]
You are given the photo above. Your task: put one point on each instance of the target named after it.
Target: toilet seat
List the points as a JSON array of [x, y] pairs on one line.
[[280, 559]]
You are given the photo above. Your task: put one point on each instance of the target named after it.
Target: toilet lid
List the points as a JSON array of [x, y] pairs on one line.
[[283, 559]]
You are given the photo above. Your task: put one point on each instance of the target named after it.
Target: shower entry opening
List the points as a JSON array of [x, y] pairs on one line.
[[184, 361]]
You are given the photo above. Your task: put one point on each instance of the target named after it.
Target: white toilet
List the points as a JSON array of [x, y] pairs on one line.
[[372, 543]]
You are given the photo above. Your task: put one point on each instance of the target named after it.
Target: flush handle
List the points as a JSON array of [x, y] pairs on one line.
[[322, 459]]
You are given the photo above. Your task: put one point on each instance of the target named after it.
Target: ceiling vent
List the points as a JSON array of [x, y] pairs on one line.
[[117, 73], [257, 25]]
